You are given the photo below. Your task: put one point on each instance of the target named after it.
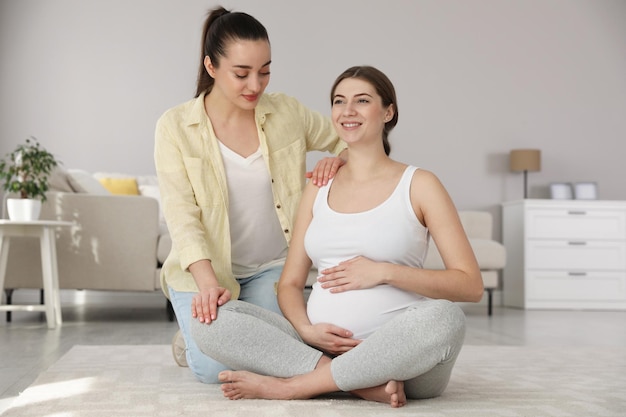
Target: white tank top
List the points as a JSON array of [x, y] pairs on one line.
[[389, 232]]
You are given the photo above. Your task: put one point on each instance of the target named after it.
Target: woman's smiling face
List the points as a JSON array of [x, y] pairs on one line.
[[357, 110]]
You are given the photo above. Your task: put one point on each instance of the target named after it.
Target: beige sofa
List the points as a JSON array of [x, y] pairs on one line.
[[116, 242]]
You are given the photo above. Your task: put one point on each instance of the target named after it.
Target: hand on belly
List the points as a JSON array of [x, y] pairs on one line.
[[360, 311]]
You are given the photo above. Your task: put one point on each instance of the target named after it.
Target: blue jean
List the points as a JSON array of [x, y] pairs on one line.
[[258, 289]]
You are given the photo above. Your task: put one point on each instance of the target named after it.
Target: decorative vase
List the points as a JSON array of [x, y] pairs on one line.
[[23, 209]]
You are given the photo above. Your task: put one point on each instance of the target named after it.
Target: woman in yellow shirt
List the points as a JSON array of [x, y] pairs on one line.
[[231, 166]]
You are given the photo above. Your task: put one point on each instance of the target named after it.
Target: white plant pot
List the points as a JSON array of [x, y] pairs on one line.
[[23, 209]]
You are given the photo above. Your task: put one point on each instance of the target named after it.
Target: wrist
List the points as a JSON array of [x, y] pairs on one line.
[[207, 285], [387, 273], [305, 332]]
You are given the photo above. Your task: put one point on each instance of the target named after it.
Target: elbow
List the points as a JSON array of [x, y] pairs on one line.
[[472, 297], [287, 289], [478, 290], [477, 295], [280, 291]]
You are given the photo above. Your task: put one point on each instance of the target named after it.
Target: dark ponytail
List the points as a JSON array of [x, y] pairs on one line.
[[220, 28]]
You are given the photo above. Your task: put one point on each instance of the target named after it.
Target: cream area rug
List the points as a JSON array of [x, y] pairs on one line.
[[507, 381]]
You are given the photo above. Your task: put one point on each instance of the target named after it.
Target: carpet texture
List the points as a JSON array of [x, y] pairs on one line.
[[507, 381]]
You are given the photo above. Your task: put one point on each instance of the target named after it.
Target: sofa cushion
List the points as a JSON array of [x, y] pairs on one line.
[[147, 180], [59, 180], [120, 186], [83, 182]]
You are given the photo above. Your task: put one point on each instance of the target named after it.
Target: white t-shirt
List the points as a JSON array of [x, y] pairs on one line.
[[257, 240], [389, 232]]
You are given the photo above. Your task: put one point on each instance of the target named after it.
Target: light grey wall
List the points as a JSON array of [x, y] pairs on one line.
[[475, 78]]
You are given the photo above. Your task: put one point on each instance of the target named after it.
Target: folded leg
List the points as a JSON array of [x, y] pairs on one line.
[[418, 346], [251, 338]]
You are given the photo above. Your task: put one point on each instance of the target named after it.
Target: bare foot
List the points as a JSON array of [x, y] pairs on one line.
[[391, 393], [237, 385]]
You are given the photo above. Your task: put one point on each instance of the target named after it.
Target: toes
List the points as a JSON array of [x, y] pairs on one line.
[[393, 400], [391, 387], [397, 397], [230, 391], [225, 376]]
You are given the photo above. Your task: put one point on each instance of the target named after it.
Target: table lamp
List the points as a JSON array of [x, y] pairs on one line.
[[524, 160]]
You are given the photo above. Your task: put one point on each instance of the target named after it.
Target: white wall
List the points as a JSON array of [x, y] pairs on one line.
[[475, 78]]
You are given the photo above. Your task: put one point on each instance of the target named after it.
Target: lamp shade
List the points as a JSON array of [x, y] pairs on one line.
[[525, 160]]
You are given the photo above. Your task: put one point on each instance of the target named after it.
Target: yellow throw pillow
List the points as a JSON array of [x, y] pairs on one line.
[[124, 186]]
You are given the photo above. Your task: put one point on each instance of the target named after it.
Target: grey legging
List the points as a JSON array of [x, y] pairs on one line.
[[418, 347]]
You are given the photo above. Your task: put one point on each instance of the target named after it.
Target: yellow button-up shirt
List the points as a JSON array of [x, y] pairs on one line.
[[193, 184]]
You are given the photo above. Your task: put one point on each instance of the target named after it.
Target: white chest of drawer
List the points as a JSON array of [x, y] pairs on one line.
[[565, 254]]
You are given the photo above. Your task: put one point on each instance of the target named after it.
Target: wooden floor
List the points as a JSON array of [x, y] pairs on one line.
[[27, 347]]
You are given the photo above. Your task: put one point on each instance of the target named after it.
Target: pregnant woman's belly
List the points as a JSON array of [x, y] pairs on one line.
[[360, 311]]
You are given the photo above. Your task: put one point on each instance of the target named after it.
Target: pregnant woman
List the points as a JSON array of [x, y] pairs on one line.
[[376, 324]]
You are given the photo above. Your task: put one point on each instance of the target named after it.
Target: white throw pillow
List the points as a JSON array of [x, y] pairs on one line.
[[154, 192], [147, 180], [83, 182], [59, 181]]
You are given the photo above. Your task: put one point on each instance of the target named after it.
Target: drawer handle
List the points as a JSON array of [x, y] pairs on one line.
[[577, 243], [577, 274], [577, 212]]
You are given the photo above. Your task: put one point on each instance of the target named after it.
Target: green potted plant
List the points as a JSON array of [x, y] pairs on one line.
[[25, 172]]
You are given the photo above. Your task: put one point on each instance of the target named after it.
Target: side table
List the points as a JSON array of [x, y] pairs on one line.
[[44, 230]]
